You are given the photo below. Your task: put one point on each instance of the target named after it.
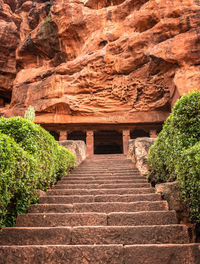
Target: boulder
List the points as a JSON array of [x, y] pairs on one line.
[[138, 150], [77, 147], [170, 191]]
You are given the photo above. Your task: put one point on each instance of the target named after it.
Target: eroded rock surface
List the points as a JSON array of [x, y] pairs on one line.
[[9, 40], [81, 58], [77, 147], [138, 151]]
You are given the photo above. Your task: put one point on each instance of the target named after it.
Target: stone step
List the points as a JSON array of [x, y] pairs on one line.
[[120, 191], [104, 170], [90, 161], [100, 207], [88, 235], [101, 254], [106, 175], [130, 235], [106, 181], [104, 165], [91, 165], [61, 219], [121, 164], [108, 156], [108, 172], [162, 254], [101, 186], [60, 254], [97, 219], [106, 160], [69, 199], [88, 178], [111, 171]]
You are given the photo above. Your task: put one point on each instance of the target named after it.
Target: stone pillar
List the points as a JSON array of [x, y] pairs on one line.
[[90, 142], [126, 138], [153, 133], [63, 135]]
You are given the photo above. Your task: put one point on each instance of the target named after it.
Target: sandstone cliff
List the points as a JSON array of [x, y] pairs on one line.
[[87, 58]]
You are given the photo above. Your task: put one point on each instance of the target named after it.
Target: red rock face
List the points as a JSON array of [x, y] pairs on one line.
[[100, 61], [9, 40]]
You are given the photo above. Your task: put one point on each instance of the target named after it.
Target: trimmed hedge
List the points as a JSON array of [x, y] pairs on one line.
[[42, 162], [176, 151], [188, 173], [18, 174], [52, 163]]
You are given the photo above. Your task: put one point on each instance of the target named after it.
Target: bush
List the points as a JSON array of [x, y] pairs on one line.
[[51, 158], [188, 173], [174, 147], [30, 159], [18, 171], [66, 160]]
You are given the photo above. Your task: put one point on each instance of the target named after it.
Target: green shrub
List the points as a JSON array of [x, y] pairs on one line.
[[188, 174], [18, 174], [30, 159], [175, 144], [38, 142], [66, 160]]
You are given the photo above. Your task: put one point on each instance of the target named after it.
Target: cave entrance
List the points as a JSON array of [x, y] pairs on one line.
[[55, 135], [108, 142], [138, 133], [77, 135]]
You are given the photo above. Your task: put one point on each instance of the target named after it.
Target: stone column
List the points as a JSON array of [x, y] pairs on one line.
[[153, 133], [90, 142], [63, 135], [126, 138]]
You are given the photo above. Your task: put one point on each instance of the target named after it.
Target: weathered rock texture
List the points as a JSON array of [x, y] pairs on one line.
[[170, 191], [138, 150], [98, 61], [9, 41], [77, 147]]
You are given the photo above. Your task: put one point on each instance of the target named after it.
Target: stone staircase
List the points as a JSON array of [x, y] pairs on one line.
[[104, 212]]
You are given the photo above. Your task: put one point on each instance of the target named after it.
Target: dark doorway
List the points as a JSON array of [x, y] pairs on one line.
[[77, 135], [108, 142], [55, 135], [139, 133]]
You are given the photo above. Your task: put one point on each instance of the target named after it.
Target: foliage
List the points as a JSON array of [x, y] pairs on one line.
[[38, 163], [30, 113], [188, 173], [66, 160], [18, 171], [38, 142], [171, 155]]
